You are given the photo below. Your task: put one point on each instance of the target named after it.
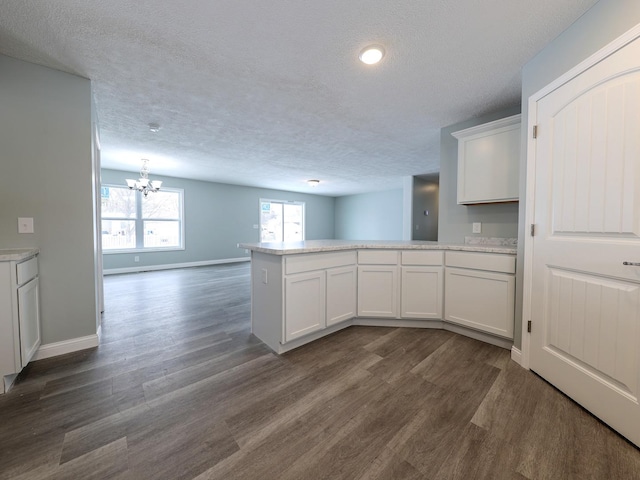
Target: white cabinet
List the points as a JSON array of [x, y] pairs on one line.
[[320, 291], [378, 285], [341, 294], [421, 284], [480, 291], [298, 298], [305, 301], [19, 315], [489, 162]]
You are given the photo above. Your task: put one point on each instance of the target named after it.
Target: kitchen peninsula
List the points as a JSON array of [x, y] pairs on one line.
[[302, 291]]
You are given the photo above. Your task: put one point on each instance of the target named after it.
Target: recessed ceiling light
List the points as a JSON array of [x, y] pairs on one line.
[[313, 183], [371, 54], [154, 127]]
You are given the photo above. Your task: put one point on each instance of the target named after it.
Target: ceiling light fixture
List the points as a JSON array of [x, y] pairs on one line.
[[313, 183], [143, 184], [371, 54], [154, 127]]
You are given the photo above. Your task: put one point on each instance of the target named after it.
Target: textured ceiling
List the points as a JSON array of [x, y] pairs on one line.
[[271, 93]]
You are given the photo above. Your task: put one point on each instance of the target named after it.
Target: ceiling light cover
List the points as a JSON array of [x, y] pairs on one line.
[[313, 183], [371, 54]]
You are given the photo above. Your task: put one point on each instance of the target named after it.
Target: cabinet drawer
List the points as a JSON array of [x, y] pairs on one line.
[[378, 257], [418, 257], [27, 270], [318, 261], [494, 262]]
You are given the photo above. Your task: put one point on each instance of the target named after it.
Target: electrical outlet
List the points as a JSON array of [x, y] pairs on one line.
[[477, 227], [264, 276], [25, 225], [136, 258]]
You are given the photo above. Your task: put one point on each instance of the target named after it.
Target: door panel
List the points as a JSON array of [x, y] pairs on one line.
[[585, 302], [590, 322]]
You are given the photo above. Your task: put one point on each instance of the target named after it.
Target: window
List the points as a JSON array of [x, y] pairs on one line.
[[131, 221], [281, 221]]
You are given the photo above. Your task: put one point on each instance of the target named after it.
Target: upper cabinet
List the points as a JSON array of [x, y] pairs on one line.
[[489, 162]]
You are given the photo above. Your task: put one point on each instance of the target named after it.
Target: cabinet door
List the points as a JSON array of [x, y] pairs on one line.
[[488, 162], [421, 289], [341, 294], [378, 291], [304, 304], [480, 300], [29, 319]]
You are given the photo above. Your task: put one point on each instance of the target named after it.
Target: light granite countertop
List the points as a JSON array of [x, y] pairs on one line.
[[17, 254], [314, 246]]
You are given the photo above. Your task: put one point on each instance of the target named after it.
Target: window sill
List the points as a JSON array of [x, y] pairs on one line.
[[142, 250]]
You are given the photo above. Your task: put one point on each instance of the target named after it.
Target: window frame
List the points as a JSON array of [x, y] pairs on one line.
[[139, 223], [283, 202]]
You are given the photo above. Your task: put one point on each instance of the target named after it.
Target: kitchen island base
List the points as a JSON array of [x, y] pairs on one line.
[[298, 298]]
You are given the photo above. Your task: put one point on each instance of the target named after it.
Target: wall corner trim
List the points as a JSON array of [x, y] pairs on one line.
[[516, 355], [66, 346]]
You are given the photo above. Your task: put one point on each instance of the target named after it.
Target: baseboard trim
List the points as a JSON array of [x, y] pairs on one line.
[[516, 355], [170, 266], [390, 322], [66, 346], [437, 324]]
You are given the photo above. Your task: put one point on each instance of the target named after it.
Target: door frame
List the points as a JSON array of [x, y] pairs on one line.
[[532, 119]]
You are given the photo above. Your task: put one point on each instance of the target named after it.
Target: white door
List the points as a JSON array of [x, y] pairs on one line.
[[585, 309]]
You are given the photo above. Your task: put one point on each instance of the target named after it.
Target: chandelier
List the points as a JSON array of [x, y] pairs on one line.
[[143, 184]]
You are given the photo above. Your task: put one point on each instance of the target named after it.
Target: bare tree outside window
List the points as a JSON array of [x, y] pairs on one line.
[[133, 222]]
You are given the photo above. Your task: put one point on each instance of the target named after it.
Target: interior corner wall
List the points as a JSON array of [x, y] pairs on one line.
[[217, 217], [46, 159], [370, 216], [455, 221], [603, 23]]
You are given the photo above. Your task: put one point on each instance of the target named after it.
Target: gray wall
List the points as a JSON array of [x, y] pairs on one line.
[[603, 23], [455, 221], [218, 217], [425, 198], [369, 216], [46, 160]]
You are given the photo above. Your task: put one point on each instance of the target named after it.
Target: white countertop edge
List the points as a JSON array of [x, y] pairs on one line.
[[315, 246], [16, 254]]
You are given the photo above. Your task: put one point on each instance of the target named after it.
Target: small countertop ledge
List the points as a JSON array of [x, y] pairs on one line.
[[315, 246], [17, 254]]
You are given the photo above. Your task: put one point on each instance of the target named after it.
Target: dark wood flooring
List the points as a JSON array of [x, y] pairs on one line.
[[179, 389]]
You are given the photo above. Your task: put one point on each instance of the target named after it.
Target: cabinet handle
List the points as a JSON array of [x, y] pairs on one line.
[[633, 264]]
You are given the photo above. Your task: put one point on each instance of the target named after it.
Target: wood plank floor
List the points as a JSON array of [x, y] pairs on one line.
[[179, 389]]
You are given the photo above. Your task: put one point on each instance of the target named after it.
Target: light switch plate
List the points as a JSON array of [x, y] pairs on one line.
[[477, 227], [25, 225]]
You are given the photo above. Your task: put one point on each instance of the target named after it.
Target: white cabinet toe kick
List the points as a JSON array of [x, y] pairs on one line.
[[299, 298]]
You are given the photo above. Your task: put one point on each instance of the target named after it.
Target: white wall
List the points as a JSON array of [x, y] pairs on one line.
[[218, 217], [46, 173], [370, 216], [603, 23]]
